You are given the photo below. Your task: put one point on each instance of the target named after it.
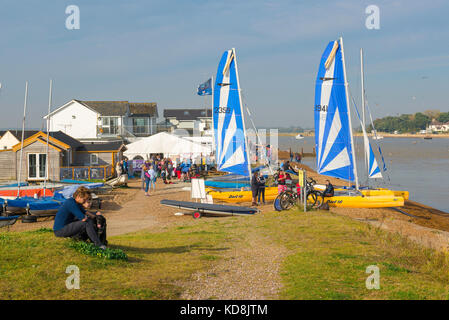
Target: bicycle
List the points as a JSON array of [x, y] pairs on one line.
[[314, 197], [287, 199]]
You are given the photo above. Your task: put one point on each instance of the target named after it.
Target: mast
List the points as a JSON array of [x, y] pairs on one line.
[[241, 107], [47, 169], [212, 113], [23, 135], [362, 75], [349, 116]]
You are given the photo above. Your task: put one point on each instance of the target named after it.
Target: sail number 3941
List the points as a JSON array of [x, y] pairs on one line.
[[320, 108]]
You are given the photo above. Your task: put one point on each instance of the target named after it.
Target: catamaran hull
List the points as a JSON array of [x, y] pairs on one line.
[[372, 192], [242, 196], [364, 202]]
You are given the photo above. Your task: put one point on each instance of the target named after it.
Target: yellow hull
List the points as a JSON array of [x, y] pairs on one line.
[[241, 196], [379, 201], [376, 192]]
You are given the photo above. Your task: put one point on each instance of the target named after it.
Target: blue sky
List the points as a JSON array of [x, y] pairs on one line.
[[145, 51]]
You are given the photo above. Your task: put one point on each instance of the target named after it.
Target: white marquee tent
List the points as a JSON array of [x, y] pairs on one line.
[[168, 144]]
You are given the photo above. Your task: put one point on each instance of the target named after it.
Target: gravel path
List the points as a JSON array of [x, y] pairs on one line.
[[249, 271]]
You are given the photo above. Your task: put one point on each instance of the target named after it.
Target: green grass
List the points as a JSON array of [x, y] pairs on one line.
[[327, 259], [330, 254]]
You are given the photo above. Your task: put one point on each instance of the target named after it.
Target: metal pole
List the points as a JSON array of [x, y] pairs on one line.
[[23, 135], [48, 134], [304, 184], [349, 115], [362, 75]]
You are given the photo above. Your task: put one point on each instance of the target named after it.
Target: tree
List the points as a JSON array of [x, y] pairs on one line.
[[443, 117], [432, 114]]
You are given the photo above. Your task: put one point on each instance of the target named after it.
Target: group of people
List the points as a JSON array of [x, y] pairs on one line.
[[258, 182], [294, 156]]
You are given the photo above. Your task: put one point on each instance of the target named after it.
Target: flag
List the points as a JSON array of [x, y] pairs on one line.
[[205, 88]]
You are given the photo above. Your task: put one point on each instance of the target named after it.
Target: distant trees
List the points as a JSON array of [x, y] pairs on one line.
[[402, 123], [443, 117]]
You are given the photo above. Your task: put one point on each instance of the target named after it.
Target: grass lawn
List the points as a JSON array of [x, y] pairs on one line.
[[327, 259]]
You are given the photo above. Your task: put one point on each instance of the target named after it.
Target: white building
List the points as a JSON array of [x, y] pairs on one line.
[[10, 138], [190, 120], [104, 120], [436, 126]]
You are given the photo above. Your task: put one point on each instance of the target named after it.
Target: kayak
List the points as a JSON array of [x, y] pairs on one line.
[[242, 196], [357, 201], [226, 184], [39, 192]]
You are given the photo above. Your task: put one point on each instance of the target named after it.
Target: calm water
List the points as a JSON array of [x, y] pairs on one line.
[[414, 164]]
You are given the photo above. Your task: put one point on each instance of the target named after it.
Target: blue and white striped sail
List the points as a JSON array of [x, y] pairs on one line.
[[332, 128], [229, 125], [373, 168]]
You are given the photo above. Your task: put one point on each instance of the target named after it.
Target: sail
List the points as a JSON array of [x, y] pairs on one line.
[[373, 167], [332, 128], [229, 126]]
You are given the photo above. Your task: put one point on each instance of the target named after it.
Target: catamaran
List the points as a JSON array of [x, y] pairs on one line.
[[334, 137], [232, 152]]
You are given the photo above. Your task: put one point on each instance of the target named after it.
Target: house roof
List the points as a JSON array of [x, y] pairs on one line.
[[143, 109], [115, 108], [121, 108], [187, 114], [107, 108], [18, 134], [61, 136], [109, 146], [62, 140]]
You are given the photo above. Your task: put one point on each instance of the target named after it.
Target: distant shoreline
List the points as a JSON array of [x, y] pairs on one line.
[[382, 134]]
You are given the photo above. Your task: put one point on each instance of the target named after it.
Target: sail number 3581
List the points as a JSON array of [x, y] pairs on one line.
[[222, 110], [320, 108]]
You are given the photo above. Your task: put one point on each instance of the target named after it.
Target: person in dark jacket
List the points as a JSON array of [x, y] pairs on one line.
[[261, 191], [71, 219], [255, 187], [329, 191]]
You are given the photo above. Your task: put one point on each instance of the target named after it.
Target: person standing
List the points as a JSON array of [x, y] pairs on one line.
[[261, 191], [144, 168], [255, 187], [153, 177]]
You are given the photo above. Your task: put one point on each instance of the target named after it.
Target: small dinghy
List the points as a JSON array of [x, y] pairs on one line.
[[8, 221]]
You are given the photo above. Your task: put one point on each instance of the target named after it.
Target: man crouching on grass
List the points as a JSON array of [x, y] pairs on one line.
[[71, 219]]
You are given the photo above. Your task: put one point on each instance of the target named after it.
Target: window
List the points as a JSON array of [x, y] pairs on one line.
[[109, 125], [37, 166], [186, 113], [140, 125], [93, 158]]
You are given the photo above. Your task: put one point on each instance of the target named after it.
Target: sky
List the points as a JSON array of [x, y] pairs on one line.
[[160, 51]]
